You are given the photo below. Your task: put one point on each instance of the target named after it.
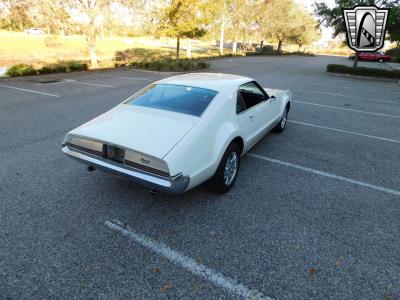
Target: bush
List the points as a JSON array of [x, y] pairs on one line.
[[202, 65], [268, 50], [169, 64], [74, 65], [21, 70], [50, 69], [362, 71], [396, 59], [393, 52], [25, 70]]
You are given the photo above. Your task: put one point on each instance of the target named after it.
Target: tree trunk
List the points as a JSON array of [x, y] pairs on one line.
[[189, 49], [298, 50], [222, 34], [93, 55], [234, 47], [280, 46], [356, 59], [177, 47]]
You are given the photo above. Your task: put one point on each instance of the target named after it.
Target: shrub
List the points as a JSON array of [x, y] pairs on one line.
[[202, 65], [396, 59], [49, 69], [393, 52], [21, 70], [362, 71], [267, 50], [169, 64], [74, 65]]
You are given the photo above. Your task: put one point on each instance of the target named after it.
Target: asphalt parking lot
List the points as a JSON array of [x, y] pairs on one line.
[[314, 214]]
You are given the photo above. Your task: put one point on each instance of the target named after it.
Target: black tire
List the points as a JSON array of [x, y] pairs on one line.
[[218, 182], [280, 127], [380, 60]]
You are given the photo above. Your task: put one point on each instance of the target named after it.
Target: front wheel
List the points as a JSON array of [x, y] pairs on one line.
[[380, 60], [227, 171], [280, 127]]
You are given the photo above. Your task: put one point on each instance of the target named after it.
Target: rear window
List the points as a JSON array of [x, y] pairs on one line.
[[177, 98]]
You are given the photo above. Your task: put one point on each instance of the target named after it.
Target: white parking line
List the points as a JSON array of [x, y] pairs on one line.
[[348, 96], [88, 83], [326, 174], [29, 91], [216, 278], [349, 109], [348, 132], [124, 77]]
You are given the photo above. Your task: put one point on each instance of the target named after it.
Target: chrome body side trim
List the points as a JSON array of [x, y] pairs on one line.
[[172, 185]]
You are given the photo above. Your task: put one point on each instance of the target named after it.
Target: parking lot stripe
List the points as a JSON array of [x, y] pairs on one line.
[[29, 91], [124, 77], [348, 132], [349, 109], [326, 174], [216, 278], [348, 96], [89, 83]]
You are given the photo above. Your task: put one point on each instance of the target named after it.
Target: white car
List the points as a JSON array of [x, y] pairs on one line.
[[181, 131], [34, 31]]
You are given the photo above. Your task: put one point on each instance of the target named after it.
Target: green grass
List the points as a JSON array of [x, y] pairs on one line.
[[362, 71]]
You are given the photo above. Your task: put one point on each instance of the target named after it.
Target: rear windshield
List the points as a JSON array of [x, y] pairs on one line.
[[178, 98]]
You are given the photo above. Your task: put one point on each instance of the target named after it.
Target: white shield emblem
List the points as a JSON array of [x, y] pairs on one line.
[[365, 27]]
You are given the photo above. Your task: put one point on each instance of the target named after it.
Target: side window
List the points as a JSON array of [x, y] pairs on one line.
[[249, 95]]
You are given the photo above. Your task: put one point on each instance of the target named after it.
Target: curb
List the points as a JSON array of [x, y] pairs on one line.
[[364, 77]]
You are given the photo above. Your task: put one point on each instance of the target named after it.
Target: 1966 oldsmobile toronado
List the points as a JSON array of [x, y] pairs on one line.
[[181, 131]]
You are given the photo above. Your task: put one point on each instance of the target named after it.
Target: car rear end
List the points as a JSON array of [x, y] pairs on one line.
[[143, 169]]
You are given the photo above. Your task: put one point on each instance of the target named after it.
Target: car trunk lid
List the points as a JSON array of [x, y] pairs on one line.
[[150, 131]]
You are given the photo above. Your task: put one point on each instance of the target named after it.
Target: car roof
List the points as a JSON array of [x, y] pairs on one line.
[[213, 81]]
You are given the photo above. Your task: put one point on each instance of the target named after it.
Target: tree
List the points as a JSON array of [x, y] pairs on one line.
[[91, 11], [19, 16], [306, 29], [279, 16], [393, 23], [182, 19], [241, 21], [218, 15]]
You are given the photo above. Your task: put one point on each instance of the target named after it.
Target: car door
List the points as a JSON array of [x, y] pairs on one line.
[[254, 112]]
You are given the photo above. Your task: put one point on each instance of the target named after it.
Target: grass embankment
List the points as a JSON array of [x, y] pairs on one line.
[[362, 71], [18, 48]]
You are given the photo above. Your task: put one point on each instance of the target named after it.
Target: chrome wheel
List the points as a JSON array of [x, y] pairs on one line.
[[231, 168]]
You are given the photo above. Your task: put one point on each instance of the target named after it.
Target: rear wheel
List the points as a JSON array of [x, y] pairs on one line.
[[280, 127], [227, 171], [380, 60]]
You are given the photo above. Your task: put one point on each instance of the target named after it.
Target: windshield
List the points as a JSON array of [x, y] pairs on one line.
[[177, 98]]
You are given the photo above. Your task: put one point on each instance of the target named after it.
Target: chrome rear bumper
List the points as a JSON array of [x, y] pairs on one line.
[[171, 185]]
